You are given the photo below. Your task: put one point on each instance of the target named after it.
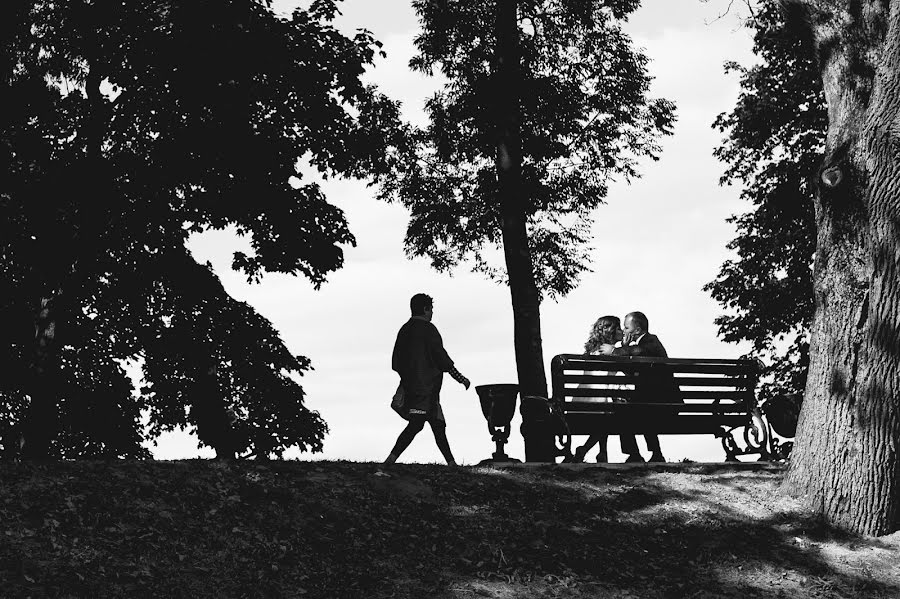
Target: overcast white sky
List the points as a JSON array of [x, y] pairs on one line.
[[348, 327]]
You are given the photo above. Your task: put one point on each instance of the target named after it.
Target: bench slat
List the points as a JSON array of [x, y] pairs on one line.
[[589, 423], [593, 363], [626, 359], [703, 381], [629, 393], [652, 410], [733, 370], [595, 379]]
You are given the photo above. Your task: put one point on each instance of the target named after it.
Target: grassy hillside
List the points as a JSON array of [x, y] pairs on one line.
[[333, 530]]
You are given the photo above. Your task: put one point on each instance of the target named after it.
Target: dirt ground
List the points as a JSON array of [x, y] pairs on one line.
[[338, 529], [704, 531]]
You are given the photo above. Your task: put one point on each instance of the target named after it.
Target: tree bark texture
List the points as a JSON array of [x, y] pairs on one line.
[[513, 205], [845, 464]]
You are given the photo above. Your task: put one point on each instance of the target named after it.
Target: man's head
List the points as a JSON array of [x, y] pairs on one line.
[[636, 324], [421, 305]]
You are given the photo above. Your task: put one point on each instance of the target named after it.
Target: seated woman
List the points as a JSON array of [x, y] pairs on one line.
[[607, 330]]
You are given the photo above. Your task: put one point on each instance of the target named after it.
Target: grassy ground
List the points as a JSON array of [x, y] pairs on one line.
[[333, 530]]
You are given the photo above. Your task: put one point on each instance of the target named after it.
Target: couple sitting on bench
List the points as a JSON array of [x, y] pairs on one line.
[[608, 338]]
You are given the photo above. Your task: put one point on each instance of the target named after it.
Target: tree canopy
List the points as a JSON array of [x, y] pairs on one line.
[[774, 140], [131, 127], [586, 119]]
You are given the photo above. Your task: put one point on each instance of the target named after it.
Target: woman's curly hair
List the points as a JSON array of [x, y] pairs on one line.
[[600, 334]]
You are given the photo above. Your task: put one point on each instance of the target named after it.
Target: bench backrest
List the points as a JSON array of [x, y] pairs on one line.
[[703, 384]]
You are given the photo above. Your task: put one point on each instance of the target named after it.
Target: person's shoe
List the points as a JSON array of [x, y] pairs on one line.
[[577, 457], [634, 458], [657, 457], [602, 458]]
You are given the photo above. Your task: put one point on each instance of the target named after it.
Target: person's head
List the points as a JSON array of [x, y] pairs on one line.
[[606, 330], [421, 305], [636, 324]]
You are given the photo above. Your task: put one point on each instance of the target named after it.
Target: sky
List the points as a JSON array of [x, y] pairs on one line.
[[669, 227]]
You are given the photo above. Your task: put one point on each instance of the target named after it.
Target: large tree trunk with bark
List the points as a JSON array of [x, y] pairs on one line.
[[846, 461], [520, 270]]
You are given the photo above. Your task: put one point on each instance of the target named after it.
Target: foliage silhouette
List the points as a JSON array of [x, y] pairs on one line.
[[586, 118], [132, 127], [775, 136]]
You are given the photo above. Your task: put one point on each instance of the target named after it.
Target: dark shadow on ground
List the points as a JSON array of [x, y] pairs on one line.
[[331, 530]]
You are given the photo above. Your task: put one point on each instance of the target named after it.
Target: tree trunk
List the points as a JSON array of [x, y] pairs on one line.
[[41, 420], [513, 204], [845, 464], [209, 411]]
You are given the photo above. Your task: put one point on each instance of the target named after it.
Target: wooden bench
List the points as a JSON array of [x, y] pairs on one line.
[[594, 394]]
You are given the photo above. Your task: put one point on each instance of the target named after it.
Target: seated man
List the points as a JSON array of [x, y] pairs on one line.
[[655, 385]]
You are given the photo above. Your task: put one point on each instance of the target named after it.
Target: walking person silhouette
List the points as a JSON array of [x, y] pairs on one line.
[[420, 359]]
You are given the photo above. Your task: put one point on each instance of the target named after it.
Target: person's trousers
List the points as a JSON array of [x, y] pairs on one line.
[[629, 444], [415, 426]]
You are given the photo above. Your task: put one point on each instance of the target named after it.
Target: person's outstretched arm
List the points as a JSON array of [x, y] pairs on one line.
[[442, 359], [458, 377]]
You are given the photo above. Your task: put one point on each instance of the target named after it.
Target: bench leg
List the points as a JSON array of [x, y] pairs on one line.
[[757, 438], [562, 443], [757, 435], [537, 429], [729, 444], [539, 445]]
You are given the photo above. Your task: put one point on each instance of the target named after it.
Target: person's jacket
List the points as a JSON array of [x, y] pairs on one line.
[[419, 357], [648, 346], [656, 383]]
